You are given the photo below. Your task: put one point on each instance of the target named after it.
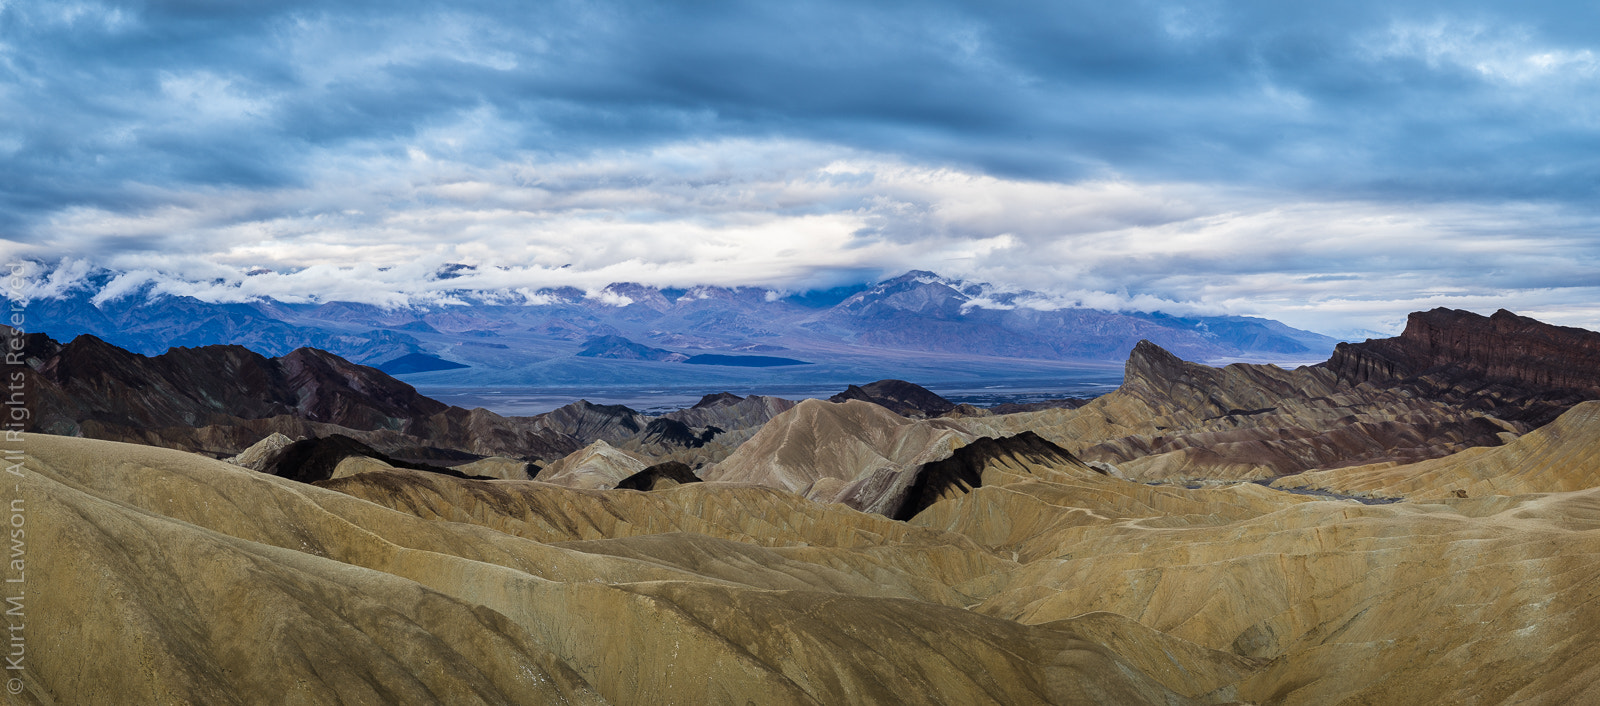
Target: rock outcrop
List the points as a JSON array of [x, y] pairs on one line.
[[965, 469], [898, 396], [312, 460], [260, 453], [659, 477], [1176, 420]]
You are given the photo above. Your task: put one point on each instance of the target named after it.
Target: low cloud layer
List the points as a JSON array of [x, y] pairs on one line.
[[1331, 168]]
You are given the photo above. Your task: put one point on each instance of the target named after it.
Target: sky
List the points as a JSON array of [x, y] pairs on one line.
[[1331, 165]]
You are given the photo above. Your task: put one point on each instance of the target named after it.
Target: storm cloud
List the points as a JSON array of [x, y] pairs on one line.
[[1331, 166]]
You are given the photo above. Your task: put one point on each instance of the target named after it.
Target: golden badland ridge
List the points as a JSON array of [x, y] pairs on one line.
[[1117, 553]]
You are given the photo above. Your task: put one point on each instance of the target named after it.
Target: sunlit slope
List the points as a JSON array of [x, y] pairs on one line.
[[1480, 601], [1044, 582], [204, 582]]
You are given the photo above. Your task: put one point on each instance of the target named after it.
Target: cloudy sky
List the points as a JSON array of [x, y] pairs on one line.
[[1333, 168]]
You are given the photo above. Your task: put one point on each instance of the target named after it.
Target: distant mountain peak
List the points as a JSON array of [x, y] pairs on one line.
[[624, 294], [918, 276], [917, 291], [453, 270]]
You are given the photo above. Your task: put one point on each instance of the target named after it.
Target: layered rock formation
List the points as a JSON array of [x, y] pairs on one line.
[[1514, 367], [1453, 381], [1173, 419]]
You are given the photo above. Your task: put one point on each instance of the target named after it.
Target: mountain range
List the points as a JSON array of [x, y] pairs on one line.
[[915, 325]]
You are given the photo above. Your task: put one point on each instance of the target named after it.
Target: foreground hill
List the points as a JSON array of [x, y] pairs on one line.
[[192, 580], [234, 583]]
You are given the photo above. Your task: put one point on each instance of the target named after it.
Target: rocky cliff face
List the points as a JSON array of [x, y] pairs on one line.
[[195, 387], [1518, 368], [1454, 380], [1172, 419], [221, 399]]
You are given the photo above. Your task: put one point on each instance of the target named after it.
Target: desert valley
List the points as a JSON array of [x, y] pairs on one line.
[[1416, 520]]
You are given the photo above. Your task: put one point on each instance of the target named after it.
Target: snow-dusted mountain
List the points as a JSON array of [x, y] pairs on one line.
[[935, 327]]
